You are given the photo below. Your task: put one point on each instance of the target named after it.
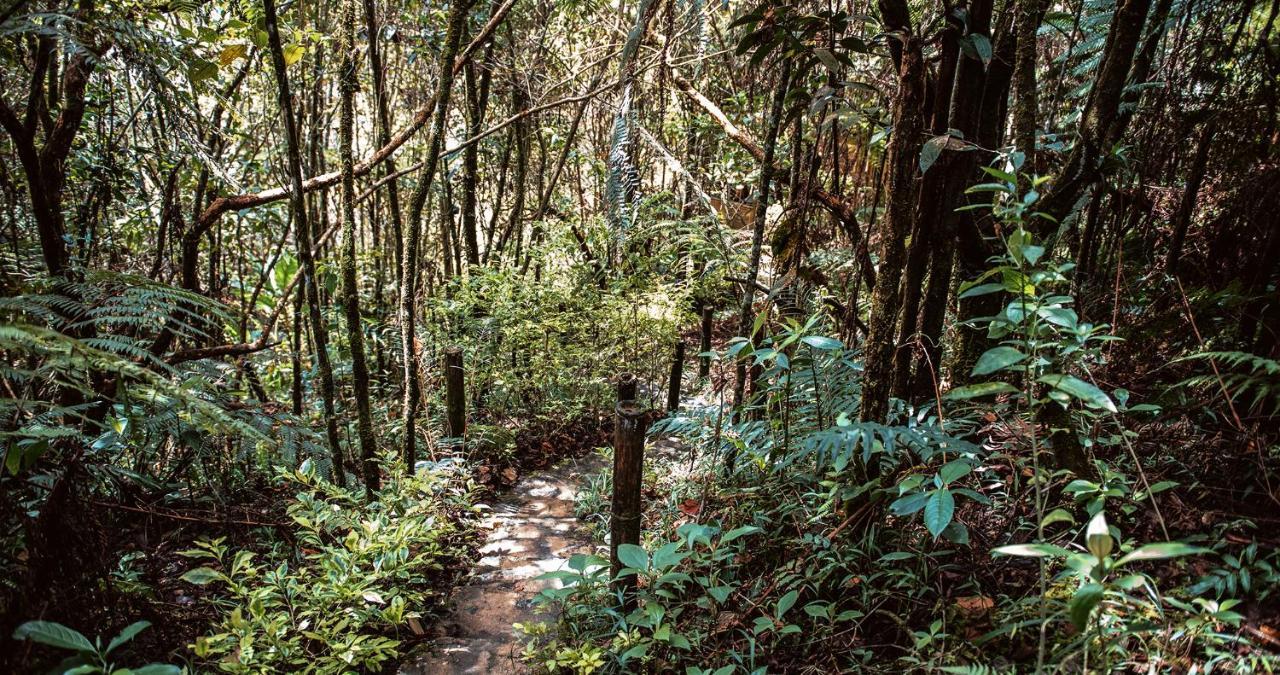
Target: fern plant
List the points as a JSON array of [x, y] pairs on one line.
[[1254, 379]]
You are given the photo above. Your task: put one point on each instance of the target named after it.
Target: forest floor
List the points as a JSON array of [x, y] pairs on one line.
[[532, 530]]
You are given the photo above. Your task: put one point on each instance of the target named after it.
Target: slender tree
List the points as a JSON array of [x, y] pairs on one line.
[[350, 283], [409, 266], [303, 238], [746, 313]]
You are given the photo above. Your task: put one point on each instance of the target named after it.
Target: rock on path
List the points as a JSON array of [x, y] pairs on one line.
[[532, 531]]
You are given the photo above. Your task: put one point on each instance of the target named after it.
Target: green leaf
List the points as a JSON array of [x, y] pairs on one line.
[[293, 53], [997, 358], [786, 602], [981, 389], [1031, 551], [981, 289], [738, 532], [720, 593], [633, 556], [977, 46], [822, 342], [201, 70], [131, 631], [909, 504], [157, 669], [201, 576], [938, 511], [1168, 549], [956, 533], [580, 562], [668, 556], [953, 470], [1083, 602], [1057, 516], [931, 150], [638, 651], [55, 635], [1079, 389]]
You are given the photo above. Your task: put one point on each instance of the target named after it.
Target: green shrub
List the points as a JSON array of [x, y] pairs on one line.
[[363, 574]]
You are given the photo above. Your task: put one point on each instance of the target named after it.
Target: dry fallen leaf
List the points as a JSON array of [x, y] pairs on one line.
[[974, 606]]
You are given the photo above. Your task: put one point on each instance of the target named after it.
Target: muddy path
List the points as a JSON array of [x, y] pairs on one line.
[[531, 530]]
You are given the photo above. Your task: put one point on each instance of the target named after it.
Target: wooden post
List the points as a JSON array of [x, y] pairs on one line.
[[626, 387], [628, 471], [704, 363], [677, 372], [455, 392]]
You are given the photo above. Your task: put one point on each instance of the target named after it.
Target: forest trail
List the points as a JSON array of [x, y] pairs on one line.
[[532, 530]]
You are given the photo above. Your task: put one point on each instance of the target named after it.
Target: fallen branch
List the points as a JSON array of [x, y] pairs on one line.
[[238, 349]]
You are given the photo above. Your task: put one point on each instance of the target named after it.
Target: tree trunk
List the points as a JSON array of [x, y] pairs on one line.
[[746, 314], [350, 284], [409, 267], [903, 159], [302, 235], [1187, 207], [478, 101], [384, 126]]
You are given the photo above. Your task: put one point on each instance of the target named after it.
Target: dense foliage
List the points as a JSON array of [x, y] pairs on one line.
[[974, 309]]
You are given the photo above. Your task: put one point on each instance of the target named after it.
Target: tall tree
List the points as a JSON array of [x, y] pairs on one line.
[[409, 257], [303, 239], [746, 311], [350, 283], [903, 155]]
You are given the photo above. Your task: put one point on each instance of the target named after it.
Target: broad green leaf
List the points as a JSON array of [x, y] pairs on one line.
[[633, 556], [931, 150], [981, 389], [1160, 551], [786, 602], [1031, 551], [981, 289], [956, 533], [1083, 602], [938, 511], [668, 555], [131, 631], [636, 652], [157, 669], [1057, 516], [738, 532], [953, 470], [201, 576], [721, 592], [979, 47], [997, 358], [54, 635], [818, 610], [909, 504], [822, 342], [293, 53], [201, 70], [1081, 390]]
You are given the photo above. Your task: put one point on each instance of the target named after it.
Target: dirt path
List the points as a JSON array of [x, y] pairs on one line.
[[532, 530]]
